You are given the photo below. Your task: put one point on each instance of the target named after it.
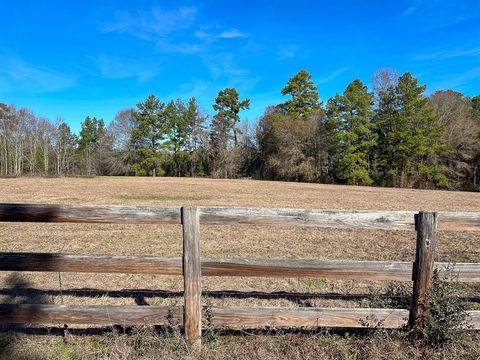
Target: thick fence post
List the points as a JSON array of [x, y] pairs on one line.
[[426, 227], [192, 278]]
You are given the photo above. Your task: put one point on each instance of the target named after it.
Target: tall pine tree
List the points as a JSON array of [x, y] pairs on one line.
[[409, 134], [148, 136], [305, 99], [350, 118]]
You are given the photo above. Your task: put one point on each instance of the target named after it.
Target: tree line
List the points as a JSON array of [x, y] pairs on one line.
[[393, 135]]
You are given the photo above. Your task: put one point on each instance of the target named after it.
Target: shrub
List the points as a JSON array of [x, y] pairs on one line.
[[448, 315]]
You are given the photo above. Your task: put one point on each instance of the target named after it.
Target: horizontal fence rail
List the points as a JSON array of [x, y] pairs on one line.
[[331, 269], [93, 314], [343, 219], [234, 317]]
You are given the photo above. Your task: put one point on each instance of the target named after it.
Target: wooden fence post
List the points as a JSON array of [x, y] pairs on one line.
[[426, 227], [192, 278]]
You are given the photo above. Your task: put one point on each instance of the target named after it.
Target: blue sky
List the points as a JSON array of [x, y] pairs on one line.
[[79, 58]]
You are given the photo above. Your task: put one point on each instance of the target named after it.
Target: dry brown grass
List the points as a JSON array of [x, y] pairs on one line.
[[189, 191], [220, 241]]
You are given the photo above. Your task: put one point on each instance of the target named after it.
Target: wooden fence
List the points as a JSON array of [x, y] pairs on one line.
[[192, 267]]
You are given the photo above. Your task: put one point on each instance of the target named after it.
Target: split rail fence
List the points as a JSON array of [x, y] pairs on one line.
[[192, 266]]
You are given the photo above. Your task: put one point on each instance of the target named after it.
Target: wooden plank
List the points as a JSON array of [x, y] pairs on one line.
[[90, 263], [402, 220], [343, 219], [455, 221], [331, 269], [93, 315], [222, 316], [309, 317], [104, 214], [192, 276], [426, 226], [463, 272]]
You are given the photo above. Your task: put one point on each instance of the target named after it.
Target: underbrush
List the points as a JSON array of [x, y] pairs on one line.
[[146, 343]]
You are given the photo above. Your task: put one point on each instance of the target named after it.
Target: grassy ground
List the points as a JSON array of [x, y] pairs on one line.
[[222, 241]]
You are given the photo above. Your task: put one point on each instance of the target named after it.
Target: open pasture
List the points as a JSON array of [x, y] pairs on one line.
[[219, 241]]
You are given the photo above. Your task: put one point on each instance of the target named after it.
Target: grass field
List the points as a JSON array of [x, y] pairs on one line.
[[220, 241]]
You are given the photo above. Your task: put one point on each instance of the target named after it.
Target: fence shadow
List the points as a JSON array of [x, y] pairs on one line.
[[18, 291]]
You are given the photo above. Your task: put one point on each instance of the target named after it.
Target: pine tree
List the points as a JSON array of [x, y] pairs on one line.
[[305, 99], [91, 134], [148, 136], [350, 117], [409, 134], [177, 131], [228, 106]]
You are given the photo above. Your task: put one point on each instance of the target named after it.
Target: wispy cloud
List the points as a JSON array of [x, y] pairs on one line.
[[118, 68], [170, 30], [332, 75], [409, 11], [455, 82], [18, 75], [226, 71], [177, 31], [440, 14], [412, 8], [195, 87], [153, 24], [231, 34], [214, 35], [448, 54], [287, 51]]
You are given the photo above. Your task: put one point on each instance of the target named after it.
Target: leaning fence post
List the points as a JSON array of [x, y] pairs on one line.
[[426, 227], [192, 311]]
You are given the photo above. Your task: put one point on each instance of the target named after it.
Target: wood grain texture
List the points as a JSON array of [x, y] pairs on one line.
[[222, 316], [383, 220], [93, 315], [107, 214], [331, 269], [426, 226], [192, 275], [90, 263], [310, 318], [342, 219]]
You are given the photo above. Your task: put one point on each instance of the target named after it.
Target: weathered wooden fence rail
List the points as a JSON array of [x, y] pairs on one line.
[[192, 267], [329, 269], [344, 219]]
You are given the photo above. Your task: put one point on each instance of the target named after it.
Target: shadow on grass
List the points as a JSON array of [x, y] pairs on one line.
[[140, 295], [18, 293]]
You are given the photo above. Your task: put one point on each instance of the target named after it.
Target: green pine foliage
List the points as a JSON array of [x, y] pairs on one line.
[[228, 106], [350, 117], [304, 95], [409, 135], [148, 137]]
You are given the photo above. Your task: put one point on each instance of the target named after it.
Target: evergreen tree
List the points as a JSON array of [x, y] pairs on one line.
[[409, 134], [91, 134], [350, 117], [148, 136], [228, 106], [305, 99]]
